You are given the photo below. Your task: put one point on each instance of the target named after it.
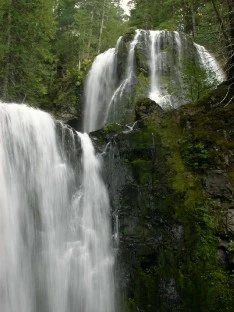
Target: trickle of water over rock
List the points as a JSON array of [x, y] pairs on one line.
[[55, 240], [162, 59]]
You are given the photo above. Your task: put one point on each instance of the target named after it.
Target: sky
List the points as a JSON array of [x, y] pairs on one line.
[[125, 6]]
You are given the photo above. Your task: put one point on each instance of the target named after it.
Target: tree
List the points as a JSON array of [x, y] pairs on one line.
[[195, 18], [25, 55], [227, 29], [84, 29], [230, 70], [46, 46]]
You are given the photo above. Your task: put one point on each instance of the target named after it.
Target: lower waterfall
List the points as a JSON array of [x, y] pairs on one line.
[[96, 261], [55, 237]]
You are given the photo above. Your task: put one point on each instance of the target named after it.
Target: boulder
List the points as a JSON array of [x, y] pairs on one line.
[[145, 107], [218, 185]]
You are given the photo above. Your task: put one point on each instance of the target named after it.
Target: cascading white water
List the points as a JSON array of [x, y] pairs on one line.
[[55, 241], [125, 85], [101, 92], [34, 221], [155, 64], [161, 45], [210, 64], [98, 90], [165, 55], [96, 262]]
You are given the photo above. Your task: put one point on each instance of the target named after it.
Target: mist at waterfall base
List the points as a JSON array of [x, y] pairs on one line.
[[109, 88], [55, 236]]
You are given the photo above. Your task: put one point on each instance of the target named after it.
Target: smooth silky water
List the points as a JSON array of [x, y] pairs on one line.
[[56, 250], [165, 52], [55, 238]]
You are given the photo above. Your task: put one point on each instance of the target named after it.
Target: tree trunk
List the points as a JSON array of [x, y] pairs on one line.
[[220, 20], [228, 35], [193, 12], [101, 27], [90, 33], [230, 64]]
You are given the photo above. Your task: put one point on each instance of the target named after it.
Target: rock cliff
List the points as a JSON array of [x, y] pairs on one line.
[[171, 181]]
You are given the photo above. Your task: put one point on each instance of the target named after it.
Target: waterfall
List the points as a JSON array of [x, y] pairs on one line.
[[95, 265], [98, 90], [55, 240], [163, 58], [161, 46], [154, 66], [126, 84], [157, 63], [210, 64], [170, 53], [101, 92]]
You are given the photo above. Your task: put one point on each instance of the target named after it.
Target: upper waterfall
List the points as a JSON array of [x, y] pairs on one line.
[[99, 89], [55, 242], [157, 66], [165, 55]]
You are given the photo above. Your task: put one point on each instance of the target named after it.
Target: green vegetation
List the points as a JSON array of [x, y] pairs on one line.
[[195, 155], [26, 60], [195, 18], [46, 48], [210, 23], [170, 178], [196, 81]]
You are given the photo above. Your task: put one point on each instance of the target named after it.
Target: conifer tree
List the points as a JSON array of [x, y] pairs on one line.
[[25, 56]]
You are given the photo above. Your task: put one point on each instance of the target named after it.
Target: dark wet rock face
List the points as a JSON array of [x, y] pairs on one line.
[[173, 196], [75, 123], [218, 184], [145, 107], [130, 172]]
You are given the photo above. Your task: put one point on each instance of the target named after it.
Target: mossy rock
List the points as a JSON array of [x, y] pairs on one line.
[[169, 219], [145, 107], [129, 34]]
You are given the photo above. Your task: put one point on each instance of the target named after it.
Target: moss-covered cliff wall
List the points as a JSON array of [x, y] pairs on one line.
[[171, 182]]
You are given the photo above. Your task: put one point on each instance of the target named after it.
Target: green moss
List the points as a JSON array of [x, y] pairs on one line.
[[187, 159], [113, 127], [142, 85], [195, 156], [230, 172], [142, 170], [108, 131], [169, 154], [130, 306], [129, 34]]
